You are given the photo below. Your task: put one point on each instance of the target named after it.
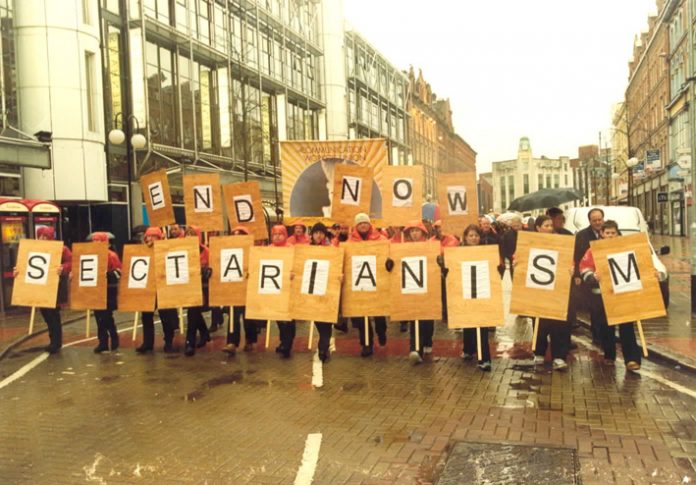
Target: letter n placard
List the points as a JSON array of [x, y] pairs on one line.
[[203, 201], [474, 289], [137, 287], [541, 286], [352, 192], [366, 281], [243, 204], [229, 260], [155, 191], [316, 287], [629, 287], [268, 289], [415, 282], [88, 284], [402, 194], [178, 270], [37, 282], [458, 201]]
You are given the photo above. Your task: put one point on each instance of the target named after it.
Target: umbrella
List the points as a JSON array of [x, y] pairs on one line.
[[111, 236], [545, 198], [430, 212]]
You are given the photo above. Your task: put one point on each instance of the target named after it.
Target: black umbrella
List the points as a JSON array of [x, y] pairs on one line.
[[544, 198]]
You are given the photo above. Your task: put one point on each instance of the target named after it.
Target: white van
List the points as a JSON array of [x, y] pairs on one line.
[[630, 220]]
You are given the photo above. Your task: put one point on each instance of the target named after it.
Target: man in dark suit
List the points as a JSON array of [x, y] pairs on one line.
[[582, 244]]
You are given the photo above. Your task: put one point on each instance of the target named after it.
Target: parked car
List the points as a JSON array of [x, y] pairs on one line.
[[630, 220]]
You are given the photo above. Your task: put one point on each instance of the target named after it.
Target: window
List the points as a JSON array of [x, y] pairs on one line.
[[566, 180], [163, 119], [540, 182], [90, 103], [503, 202], [511, 187], [87, 12], [526, 184], [548, 181], [556, 180]]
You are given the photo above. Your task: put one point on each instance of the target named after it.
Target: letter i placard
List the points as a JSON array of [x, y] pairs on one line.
[[316, 287], [178, 271], [137, 287], [36, 285], [88, 283]]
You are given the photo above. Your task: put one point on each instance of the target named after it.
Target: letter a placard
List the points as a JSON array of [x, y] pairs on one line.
[[316, 287], [137, 287], [352, 192], [88, 283], [415, 282], [155, 190], [178, 270], [366, 281], [541, 286], [402, 194], [458, 201], [474, 289], [36, 285], [268, 290], [243, 203], [229, 260], [629, 287], [203, 201]]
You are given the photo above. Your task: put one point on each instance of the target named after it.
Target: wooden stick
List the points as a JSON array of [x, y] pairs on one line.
[[416, 323], [31, 320], [135, 325], [181, 320], [478, 343], [231, 321], [367, 332], [268, 333], [642, 339], [535, 334], [311, 334], [87, 323]]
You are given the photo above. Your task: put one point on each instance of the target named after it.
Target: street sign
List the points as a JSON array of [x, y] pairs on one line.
[[653, 158], [662, 197]]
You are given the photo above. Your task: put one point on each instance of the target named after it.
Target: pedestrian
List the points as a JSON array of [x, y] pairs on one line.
[[488, 234], [106, 327], [555, 330], [627, 334], [176, 231], [582, 243], [168, 316], [558, 218], [342, 233], [286, 328], [508, 245], [299, 234], [195, 323], [319, 237]]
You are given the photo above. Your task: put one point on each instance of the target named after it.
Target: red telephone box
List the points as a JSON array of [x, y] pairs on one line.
[[14, 225], [44, 213]]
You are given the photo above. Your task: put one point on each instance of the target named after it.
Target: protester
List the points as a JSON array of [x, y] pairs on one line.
[[286, 328], [176, 231], [195, 321], [582, 244], [106, 327], [342, 234], [558, 219], [319, 237], [299, 234]]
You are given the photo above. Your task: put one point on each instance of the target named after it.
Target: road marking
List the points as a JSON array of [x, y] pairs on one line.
[[317, 371], [305, 474]]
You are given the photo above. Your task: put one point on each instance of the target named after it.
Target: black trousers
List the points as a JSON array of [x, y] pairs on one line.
[[287, 332], [217, 315], [380, 327], [426, 328], [557, 332], [55, 328], [469, 340], [325, 330], [195, 323], [106, 327], [251, 330], [627, 335], [170, 322]]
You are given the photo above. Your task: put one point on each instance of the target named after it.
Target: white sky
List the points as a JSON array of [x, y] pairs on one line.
[[547, 69]]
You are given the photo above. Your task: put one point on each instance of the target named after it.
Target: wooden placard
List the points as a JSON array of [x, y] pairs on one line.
[[352, 192], [229, 260], [158, 199], [366, 281], [244, 208], [458, 201], [416, 283], [630, 289], [474, 288], [88, 281], [268, 291], [137, 288], [178, 270], [541, 286], [316, 285], [203, 202], [36, 284], [402, 194]]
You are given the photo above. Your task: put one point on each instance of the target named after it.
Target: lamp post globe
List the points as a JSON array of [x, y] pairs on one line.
[[116, 136], [631, 162], [138, 141]]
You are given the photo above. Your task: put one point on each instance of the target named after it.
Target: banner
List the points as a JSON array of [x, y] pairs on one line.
[[352, 192], [37, 282], [316, 286], [458, 201], [88, 280], [541, 286], [268, 290], [630, 289], [366, 281], [158, 201], [416, 285], [178, 270], [229, 260], [137, 290], [308, 174], [203, 202], [243, 203], [402, 189], [474, 288]]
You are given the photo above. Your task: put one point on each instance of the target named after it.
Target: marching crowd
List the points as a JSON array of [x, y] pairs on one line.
[[502, 232]]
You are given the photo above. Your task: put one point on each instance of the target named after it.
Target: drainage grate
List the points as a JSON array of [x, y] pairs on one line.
[[485, 463]]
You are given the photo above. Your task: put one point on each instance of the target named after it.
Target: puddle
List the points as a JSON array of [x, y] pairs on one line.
[[108, 379], [201, 391], [353, 387]]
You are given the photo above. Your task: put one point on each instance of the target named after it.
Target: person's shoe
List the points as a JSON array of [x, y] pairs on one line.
[[248, 347], [341, 327], [115, 344], [485, 366], [144, 349], [279, 349], [415, 358], [559, 364], [466, 356], [168, 348], [366, 351], [285, 353], [213, 327], [190, 350], [427, 350], [52, 349], [632, 365], [538, 360], [100, 348], [403, 327], [324, 355], [202, 341], [382, 339], [230, 349]]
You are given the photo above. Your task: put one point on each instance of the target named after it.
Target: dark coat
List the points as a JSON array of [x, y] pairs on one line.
[[582, 244]]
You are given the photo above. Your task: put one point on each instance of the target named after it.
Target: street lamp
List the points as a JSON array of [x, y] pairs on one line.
[[630, 163], [117, 136]]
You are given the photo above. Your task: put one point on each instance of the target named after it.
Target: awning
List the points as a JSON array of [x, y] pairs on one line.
[[24, 153]]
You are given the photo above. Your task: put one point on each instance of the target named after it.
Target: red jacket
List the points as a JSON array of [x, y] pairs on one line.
[[303, 239], [372, 235]]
